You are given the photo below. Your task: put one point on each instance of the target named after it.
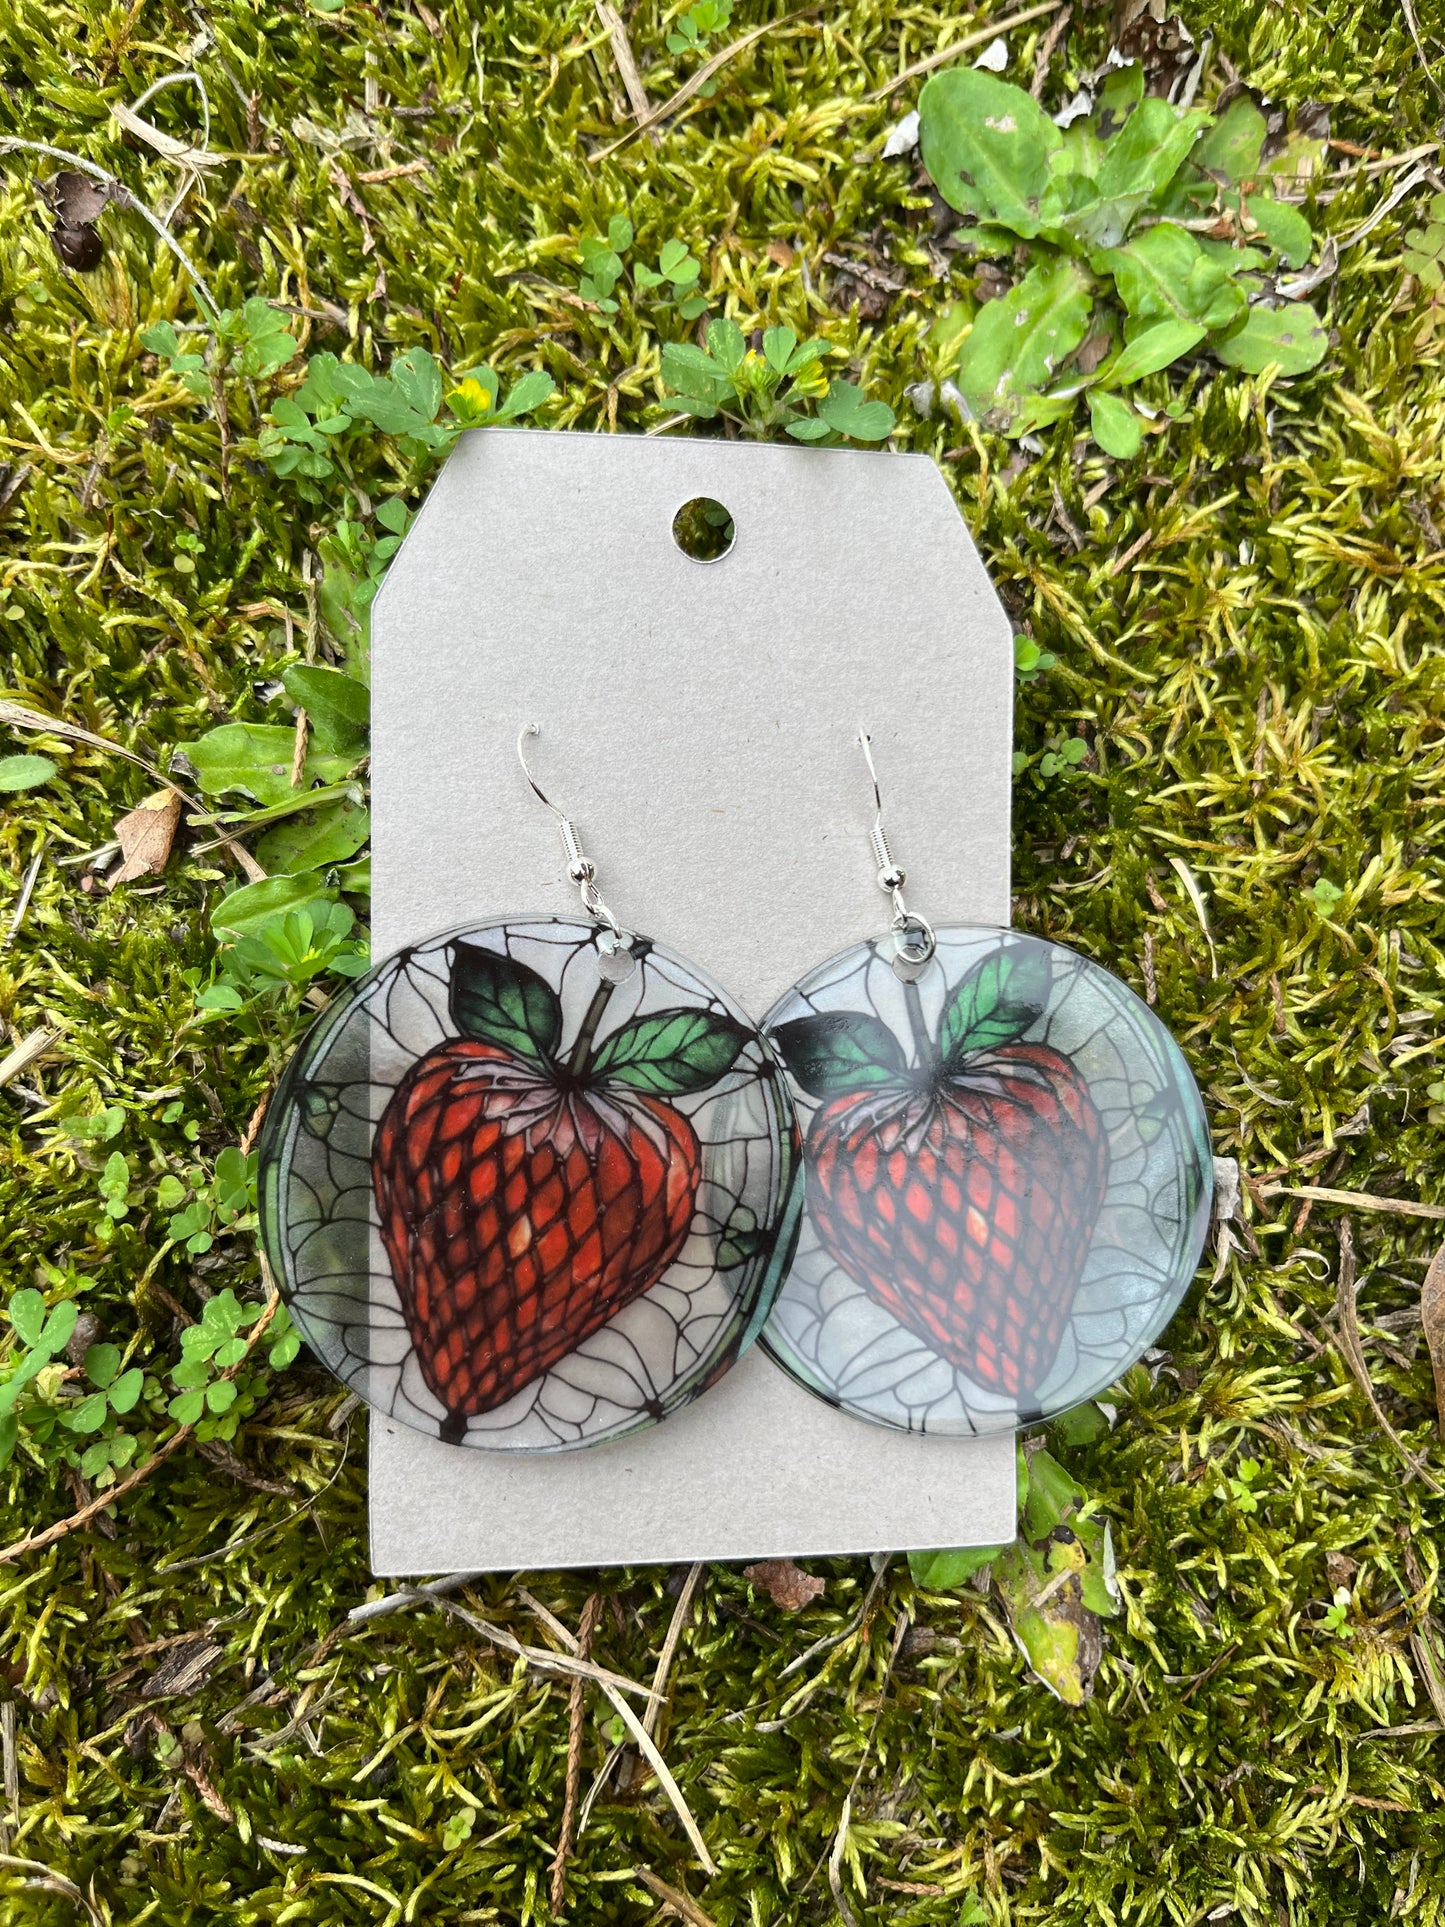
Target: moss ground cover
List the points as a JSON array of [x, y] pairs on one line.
[[1241, 628]]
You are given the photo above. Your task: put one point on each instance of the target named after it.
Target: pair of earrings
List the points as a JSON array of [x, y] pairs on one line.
[[535, 1183]]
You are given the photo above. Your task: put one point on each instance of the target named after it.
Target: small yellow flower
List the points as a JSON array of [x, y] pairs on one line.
[[476, 398]]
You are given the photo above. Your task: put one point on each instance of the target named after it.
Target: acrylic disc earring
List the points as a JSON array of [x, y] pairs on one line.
[[531, 1183], [1008, 1174]]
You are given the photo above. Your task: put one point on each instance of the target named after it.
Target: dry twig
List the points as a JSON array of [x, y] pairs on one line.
[[975, 39], [1357, 1200], [576, 1707], [1432, 1321], [626, 65], [683, 1905], [696, 81]]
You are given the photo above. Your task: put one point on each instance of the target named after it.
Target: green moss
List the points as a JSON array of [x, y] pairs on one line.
[[1246, 620]]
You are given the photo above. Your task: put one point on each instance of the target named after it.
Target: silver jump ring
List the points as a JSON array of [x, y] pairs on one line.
[[913, 939]]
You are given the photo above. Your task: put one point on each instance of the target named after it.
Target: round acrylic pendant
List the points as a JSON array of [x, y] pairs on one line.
[[522, 1190], [1008, 1182]]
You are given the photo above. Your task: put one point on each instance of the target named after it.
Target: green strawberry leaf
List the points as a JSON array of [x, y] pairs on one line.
[[496, 1000], [995, 1003], [839, 1051], [671, 1053]]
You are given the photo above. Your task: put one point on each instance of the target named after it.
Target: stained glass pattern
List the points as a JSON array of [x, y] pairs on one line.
[[520, 1205], [1008, 1181]]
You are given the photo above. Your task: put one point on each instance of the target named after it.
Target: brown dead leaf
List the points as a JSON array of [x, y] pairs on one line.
[[1432, 1318], [1146, 31], [184, 1668], [1340, 1568], [787, 1586], [74, 199], [145, 836]]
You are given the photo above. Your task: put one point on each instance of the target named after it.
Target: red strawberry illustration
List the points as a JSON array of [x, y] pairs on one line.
[[961, 1193], [525, 1198]]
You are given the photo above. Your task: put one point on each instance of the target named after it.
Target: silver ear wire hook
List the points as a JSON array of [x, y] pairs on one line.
[[913, 936], [580, 867]]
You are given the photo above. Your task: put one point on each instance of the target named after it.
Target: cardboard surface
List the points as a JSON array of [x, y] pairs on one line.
[[699, 725]]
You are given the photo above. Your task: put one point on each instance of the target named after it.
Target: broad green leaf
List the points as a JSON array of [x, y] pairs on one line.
[[245, 911], [688, 371], [995, 1003], [25, 772], [1080, 1425], [419, 379], [810, 430], [1163, 272], [9, 1437], [1038, 411], [1120, 94], [221, 1395], [1148, 151], [1099, 1581], [89, 1414], [839, 1051], [1135, 166], [1284, 228], [1042, 1593], [986, 146], [525, 394], [673, 258], [496, 1000], [355, 880], [186, 1409], [1293, 337], [102, 1362], [256, 758], [1231, 147], [1020, 340], [670, 1053], [1053, 1493], [388, 409], [31, 1364], [619, 233], [316, 840], [1117, 429], [160, 339], [847, 412], [127, 1390], [337, 706], [727, 344], [59, 1325], [946, 1571], [1165, 342], [778, 345], [27, 1315]]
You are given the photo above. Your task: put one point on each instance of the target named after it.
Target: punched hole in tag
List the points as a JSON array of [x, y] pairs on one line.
[[704, 529]]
